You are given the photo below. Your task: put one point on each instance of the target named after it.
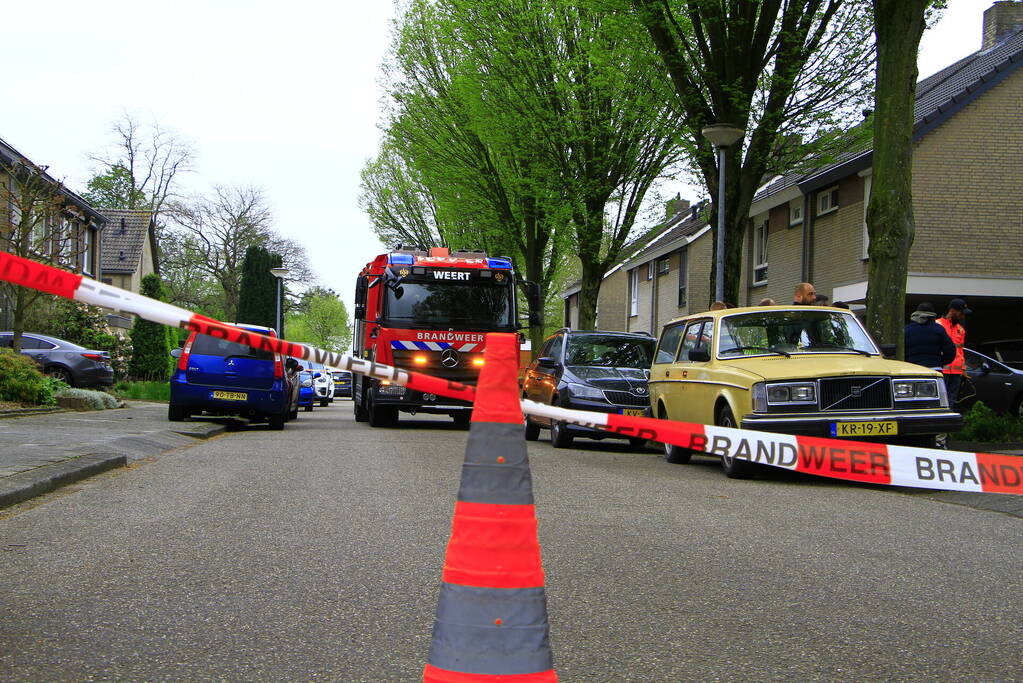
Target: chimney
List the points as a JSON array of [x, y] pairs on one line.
[[1001, 20], [675, 206]]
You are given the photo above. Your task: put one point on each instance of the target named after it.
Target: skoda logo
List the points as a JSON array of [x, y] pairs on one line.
[[640, 390], [449, 358]]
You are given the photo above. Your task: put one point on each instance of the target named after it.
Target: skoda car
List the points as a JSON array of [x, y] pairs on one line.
[[592, 370], [221, 377], [806, 370]]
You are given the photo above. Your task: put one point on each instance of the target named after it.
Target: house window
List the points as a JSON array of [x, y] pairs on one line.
[[663, 266], [796, 211], [634, 292], [88, 248], [650, 270], [827, 200], [866, 232], [760, 233], [683, 274]]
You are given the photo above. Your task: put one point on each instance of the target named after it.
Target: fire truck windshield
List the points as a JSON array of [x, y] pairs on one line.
[[450, 304]]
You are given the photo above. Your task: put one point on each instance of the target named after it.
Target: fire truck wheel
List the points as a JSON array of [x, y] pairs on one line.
[[532, 430], [382, 416], [361, 414]]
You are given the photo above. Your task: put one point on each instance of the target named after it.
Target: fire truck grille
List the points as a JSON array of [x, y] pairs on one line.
[[464, 372]]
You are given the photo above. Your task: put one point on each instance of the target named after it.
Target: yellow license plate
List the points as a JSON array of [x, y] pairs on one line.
[[864, 428], [230, 395], [633, 412]]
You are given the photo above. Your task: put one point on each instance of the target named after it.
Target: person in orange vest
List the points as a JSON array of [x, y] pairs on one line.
[[952, 322]]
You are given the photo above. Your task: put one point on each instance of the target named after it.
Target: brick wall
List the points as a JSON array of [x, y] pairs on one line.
[[838, 240], [613, 301]]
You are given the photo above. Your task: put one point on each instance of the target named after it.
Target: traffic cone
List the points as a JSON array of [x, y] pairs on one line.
[[491, 620]]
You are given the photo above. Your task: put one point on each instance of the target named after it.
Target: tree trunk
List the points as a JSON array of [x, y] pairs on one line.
[[898, 25], [589, 291]]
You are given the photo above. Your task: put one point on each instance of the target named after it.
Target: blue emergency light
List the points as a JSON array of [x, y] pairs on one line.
[[401, 260], [499, 263]]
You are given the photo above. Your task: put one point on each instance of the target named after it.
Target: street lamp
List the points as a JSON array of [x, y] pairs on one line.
[[722, 136], [280, 274]]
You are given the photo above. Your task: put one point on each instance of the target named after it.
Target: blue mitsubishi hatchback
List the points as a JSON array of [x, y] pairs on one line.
[[220, 377]]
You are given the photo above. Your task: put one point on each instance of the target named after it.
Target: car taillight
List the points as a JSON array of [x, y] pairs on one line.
[[278, 363], [95, 356], [185, 350]]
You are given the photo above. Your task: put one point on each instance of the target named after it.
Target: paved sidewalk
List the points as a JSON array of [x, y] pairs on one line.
[[42, 452]]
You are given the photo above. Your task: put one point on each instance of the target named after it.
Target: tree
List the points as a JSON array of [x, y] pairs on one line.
[[143, 169], [898, 24], [774, 69], [400, 208], [34, 224], [151, 342], [205, 246], [321, 319], [257, 302]]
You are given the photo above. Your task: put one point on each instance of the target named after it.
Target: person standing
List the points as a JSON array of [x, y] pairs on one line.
[[926, 342], [952, 322]]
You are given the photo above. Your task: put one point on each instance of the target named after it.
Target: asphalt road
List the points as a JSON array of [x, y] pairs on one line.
[[315, 554]]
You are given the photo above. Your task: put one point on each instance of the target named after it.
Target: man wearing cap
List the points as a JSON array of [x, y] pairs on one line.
[[952, 322], [926, 342]]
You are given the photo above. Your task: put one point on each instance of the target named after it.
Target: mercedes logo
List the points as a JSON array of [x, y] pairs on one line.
[[449, 358]]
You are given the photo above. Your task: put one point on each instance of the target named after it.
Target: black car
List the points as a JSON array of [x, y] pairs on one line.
[[999, 386], [71, 363], [604, 372], [1005, 351]]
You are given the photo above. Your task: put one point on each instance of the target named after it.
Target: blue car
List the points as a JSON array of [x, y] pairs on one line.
[[306, 391], [220, 377]]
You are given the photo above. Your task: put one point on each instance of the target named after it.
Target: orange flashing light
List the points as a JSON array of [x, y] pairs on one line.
[[478, 362], [419, 360]]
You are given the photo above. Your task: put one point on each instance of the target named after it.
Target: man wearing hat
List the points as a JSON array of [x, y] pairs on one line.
[[952, 322]]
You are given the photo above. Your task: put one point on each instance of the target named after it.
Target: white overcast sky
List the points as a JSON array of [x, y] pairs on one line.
[[282, 96]]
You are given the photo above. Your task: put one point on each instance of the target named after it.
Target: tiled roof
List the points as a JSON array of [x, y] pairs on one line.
[[124, 239], [937, 97]]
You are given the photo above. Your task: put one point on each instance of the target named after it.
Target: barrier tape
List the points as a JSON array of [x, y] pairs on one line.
[[835, 458]]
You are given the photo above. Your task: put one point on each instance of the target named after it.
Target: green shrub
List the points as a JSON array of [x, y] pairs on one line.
[[983, 424], [143, 391], [93, 398], [53, 386], [151, 342], [21, 381]]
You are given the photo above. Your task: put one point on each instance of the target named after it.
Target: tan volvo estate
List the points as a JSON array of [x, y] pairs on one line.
[[807, 370]]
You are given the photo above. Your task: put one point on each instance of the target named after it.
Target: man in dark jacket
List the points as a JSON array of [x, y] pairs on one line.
[[926, 342]]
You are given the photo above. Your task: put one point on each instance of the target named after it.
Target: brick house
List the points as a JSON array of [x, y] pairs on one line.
[[70, 232], [129, 253], [968, 139], [811, 226]]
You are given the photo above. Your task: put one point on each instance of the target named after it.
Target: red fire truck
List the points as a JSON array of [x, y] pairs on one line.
[[428, 311]]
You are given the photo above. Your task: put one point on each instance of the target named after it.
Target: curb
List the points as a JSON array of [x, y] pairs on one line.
[[23, 412], [24, 485]]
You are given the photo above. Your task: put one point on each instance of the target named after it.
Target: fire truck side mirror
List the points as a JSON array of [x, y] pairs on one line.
[[360, 298]]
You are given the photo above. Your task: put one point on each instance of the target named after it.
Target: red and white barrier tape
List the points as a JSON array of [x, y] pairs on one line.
[[837, 458]]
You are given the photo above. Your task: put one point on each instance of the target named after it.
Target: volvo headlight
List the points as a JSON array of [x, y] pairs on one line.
[[759, 397], [585, 391], [791, 392], [916, 389]]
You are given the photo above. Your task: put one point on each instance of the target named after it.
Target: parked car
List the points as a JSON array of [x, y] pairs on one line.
[[588, 370], [70, 363], [221, 377], [1005, 351], [342, 383], [997, 385], [306, 390], [323, 383], [795, 370]]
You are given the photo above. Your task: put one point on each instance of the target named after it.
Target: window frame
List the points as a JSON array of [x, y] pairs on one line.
[[760, 246], [683, 277], [831, 194], [796, 205], [680, 326], [666, 262], [868, 184], [634, 292]]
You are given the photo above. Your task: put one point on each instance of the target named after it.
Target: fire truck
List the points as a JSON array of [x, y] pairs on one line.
[[429, 311]]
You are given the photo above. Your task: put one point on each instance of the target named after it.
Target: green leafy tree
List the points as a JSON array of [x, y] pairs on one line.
[[113, 189], [899, 25], [321, 319], [151, 342], [257, 300], [773, 69]]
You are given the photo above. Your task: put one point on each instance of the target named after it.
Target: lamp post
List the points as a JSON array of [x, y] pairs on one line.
[[722, 136], [280, 274]]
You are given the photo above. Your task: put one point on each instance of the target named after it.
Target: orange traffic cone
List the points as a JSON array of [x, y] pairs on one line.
[[491, 620]]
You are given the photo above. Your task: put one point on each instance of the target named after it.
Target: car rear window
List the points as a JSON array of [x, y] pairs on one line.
[[205, 345]]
